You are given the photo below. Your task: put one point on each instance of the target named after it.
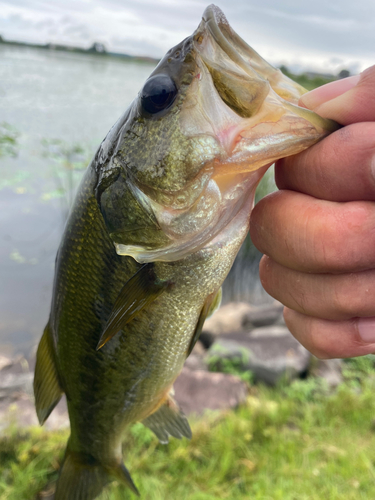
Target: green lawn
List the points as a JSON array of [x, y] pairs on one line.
[[289, 443]]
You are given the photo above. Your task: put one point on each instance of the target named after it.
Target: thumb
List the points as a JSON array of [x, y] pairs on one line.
[[349, 100]]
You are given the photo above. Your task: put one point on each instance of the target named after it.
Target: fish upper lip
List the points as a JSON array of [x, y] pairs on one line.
[[217, 24], [270, 96], [244, 56]]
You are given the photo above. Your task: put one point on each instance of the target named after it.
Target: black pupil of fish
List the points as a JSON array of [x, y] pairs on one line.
[[158, 93]]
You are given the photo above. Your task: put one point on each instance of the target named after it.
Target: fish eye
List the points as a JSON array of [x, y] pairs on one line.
[[158, 93]]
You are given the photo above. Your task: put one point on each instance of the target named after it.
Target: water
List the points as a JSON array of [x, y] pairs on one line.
[[47, 95], [76, 98]]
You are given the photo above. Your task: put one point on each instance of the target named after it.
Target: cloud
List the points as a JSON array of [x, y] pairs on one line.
[[317, 31]]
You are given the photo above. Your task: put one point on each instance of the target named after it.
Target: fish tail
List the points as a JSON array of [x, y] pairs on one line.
[[82, 478]]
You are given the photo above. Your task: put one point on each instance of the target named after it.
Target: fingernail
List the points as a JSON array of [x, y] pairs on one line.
[[325, 93], [366, 329]]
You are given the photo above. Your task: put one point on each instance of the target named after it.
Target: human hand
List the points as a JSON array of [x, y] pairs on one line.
[[318, 231]]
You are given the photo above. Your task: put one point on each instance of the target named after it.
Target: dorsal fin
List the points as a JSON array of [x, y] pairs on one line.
[[168, 420], [137, 293], [212, 303], [47, 388]]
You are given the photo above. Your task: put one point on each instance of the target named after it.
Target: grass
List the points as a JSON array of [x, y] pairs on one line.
[[306, 81], [294, 442]]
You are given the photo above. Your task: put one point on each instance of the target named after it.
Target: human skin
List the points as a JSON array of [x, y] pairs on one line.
[[317, 233]]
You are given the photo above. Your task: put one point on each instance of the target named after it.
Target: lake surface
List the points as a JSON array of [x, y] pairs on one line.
[[48, 96]]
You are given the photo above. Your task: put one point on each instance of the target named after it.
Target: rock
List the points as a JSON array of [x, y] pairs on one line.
[[4, 362], [280, 321], [270, 331], [15, 377], [196, 360], [17, 400], [228, 318], [270, 353], [197, 391], [199, 349], [263, 316], [195, 363], [16, 365], [328, 369], [21, 411], [11, 384]]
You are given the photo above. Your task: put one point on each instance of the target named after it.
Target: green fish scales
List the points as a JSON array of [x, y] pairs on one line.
[[159, 217]]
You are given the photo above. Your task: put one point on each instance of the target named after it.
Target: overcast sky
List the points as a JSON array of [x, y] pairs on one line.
[[323, 35]]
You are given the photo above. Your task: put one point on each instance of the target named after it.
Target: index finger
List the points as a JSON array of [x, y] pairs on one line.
[[355, 105]]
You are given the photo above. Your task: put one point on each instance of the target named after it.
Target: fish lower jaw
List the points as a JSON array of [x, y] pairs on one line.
[[235, 195]]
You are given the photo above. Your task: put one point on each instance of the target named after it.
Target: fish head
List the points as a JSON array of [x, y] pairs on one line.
[[208, 122]]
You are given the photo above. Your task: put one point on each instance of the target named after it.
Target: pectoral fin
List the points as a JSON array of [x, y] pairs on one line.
[[137, 293], [168, 420], [212, 303], [47, 388]]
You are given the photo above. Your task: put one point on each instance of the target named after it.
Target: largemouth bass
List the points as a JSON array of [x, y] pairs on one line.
[[159, 217]]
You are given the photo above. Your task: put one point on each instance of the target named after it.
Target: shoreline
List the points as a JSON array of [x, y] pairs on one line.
[[97, 49]]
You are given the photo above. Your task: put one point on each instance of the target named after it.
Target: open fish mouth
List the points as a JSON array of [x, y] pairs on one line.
[[236, 115], [246, 57], [267, 123]]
